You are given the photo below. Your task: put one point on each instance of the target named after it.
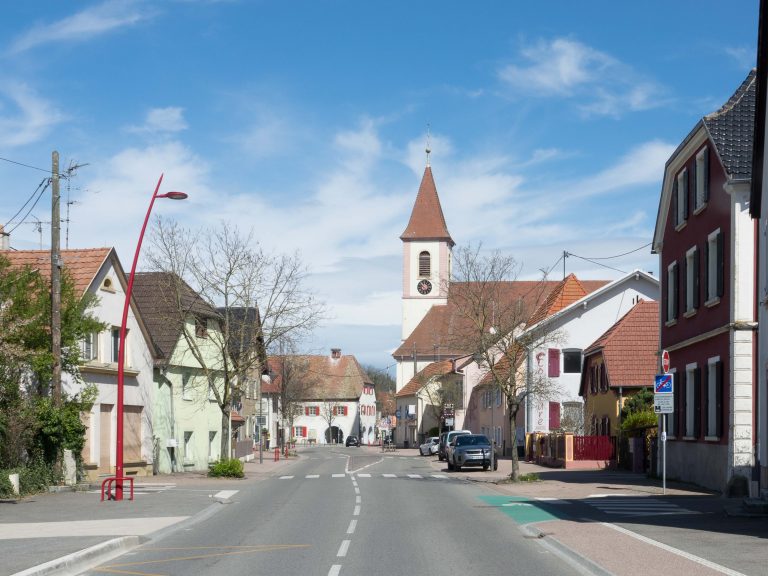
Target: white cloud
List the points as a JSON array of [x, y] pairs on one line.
[[83, 25], [30, 117], [642, 165], [566, 68], [743, 56], [158, 120]]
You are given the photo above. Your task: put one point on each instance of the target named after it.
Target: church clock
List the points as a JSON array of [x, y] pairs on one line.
[[424, 287]]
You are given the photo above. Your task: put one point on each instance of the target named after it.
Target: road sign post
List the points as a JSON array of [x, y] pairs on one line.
[[663, 404]]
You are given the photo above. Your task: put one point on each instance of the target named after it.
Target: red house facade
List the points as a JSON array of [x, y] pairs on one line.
[[705, 241]]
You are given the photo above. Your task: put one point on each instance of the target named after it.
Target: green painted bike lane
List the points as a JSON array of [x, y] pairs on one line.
[[523, 510]]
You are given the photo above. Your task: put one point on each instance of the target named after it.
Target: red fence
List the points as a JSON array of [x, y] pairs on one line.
[[593, 448]]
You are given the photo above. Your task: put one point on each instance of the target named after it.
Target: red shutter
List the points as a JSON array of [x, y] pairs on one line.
[[346, 410], [306, 411], [553, 358], [554, 415]]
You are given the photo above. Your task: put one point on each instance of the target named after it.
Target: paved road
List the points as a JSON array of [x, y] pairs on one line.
[[345, 511]]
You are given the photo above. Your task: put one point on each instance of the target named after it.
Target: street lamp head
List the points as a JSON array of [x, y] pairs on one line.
[[174, 195]]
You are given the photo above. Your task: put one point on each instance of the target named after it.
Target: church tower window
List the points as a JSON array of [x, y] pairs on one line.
[[425, 264]]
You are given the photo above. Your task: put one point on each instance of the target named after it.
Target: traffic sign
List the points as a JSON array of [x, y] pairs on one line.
[[665, 361], [663, 403], [664, 384]]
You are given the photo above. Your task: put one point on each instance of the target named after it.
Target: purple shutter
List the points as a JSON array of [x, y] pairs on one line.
[[553, 361], [554, 415]]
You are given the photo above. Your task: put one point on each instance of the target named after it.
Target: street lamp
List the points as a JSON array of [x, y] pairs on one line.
[[119, 476]]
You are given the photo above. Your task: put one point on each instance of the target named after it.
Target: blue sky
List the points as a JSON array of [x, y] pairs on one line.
[[550, 125]]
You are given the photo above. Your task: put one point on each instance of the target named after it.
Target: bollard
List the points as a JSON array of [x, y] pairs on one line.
[[277, 453], [14, 478]]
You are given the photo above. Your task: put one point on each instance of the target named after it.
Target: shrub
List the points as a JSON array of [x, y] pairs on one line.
[[36, 476], [6, 488], [636, 422], [227, 467]]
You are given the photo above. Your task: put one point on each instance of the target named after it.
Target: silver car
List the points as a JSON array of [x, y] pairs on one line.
[[430, 446], [470, 450]]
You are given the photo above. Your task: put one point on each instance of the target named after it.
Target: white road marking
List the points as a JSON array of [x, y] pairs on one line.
[[286, 477], [356, 511], [364, 475], [343, 548], [439, 476], [357, 490], [352, 526], [357, 499], [415, 476], [338, 475], [691, 557], [389, 475], [312, 476], [225, 494], [335, 569]]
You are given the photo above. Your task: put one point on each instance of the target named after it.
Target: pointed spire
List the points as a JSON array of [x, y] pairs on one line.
[[428, 150], [427, 221]]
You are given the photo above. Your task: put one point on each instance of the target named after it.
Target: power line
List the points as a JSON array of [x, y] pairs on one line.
[[46, 170], [39, 191], [611, 257], [598, 263]]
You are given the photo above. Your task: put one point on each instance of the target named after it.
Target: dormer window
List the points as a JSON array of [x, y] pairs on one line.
[[425, 264]]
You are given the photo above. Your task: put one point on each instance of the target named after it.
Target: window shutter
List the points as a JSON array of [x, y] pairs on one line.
[[553, 363], [346, 410], [686, 193], [707, 287], [706, 174], [696, 279], [719, 399], [694, 191], [603, 378], [676, 295], [675, 219], [705, 403], [720, 264], [681, 406], [554, 415], [697, 402], [684, 282], [306, 410]]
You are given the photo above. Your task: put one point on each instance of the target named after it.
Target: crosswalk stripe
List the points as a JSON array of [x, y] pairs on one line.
[[415, 476], [286, 477], [312, 476], [389, 475], [338, 475]]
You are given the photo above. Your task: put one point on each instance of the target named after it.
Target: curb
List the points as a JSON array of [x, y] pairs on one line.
[[78, 562], [584, 564]]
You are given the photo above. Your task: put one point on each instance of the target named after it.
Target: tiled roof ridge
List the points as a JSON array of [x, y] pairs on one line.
[[604, 339], [422, 377], [736, 97]]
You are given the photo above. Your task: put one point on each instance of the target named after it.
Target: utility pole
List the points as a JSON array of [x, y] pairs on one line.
[[55, 281]]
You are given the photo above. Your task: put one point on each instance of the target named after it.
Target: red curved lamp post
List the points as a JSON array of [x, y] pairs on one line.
[[119, 475]]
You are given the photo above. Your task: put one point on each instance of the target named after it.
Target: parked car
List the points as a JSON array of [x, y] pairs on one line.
[[352, 441], [470, 450], [430, 446], [445, 439]]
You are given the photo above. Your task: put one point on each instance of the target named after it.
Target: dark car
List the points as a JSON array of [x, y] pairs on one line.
[[470, 450], [352, 441], [445, 438]]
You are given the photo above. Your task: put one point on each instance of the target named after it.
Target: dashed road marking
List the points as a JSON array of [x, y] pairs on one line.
[[343, 549], [338, 475], [312, 476], [352, 526], [356, 512]]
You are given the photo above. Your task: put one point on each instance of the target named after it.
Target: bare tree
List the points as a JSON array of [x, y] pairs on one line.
[[261, 298], [295, 379], [491, 310], [328, 409]]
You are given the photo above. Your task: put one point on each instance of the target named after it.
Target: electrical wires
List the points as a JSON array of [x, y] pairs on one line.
[[42, 187]]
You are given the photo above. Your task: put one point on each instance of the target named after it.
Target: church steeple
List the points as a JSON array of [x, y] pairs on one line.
[[427, 221]]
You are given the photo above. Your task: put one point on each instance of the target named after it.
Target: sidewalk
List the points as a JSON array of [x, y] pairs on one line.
[[46, 532], [578, 514]]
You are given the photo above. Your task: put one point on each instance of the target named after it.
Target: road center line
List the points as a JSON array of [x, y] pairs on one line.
[[352, 526], [335, 569], [357, 511], [357, 499], [357, 490], [343, 548]]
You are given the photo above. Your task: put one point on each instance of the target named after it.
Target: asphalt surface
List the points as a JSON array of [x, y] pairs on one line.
[[358, 510]]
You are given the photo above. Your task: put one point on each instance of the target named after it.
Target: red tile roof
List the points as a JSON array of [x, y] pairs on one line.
[[422, 377], [568, 291], [440, 331], [630, 347], [326, 378], [81, 265], [427, 221]]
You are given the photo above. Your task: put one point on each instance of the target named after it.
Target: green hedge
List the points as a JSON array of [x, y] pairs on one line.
[[34, 477], [230, 468]]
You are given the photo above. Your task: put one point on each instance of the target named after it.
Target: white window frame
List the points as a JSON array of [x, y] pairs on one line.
[[711, 432], [114, 340], [712, 268], [189, 447], [690, 381], [89, 347], [690, 281], [186, 379], [671, 423], [702, 180]]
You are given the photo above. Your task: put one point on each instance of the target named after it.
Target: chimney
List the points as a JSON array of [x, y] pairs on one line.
[[336, 353], [5, 239]]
